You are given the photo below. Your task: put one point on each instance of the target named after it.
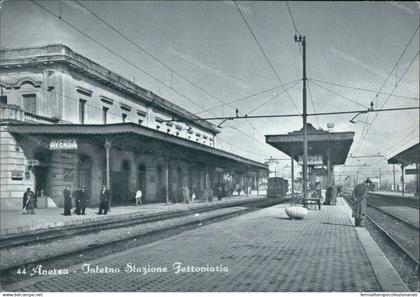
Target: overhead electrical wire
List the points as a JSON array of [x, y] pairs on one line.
[[313, 105], [338, 94], [271, 99], [158, 60], [301, 53], [132, 64], [396, 63], [389, 96], [362, 89], [263, 52], [249, 96]]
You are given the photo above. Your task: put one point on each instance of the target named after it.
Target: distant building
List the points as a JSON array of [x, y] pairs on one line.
[[66, 120]]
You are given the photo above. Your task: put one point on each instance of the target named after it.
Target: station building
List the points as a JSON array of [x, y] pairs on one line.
[[68, 121]]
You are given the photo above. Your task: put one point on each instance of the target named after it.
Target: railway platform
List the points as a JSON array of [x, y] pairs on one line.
[[395, 194], [258, 251], [13, 223]]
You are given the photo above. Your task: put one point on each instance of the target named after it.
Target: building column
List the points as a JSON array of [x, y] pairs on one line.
[[107, 151], [108, 178], [293, 178], [417, 179], [258, 182], [402, 179], [329, 178], [206, 177], [167, 180]]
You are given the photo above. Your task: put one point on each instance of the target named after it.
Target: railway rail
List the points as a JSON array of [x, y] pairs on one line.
[[68, 231], [414, 262], [90, 252]]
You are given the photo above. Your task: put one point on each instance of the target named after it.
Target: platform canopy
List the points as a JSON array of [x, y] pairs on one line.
[[322, 145], [130, 136], [407, 157]]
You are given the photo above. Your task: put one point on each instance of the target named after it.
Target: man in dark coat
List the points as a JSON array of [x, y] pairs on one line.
[[104, 198], [359, 202], [219, 192], [67, 201], [29, 201], [25, 197], [76, 196], [83, 200]]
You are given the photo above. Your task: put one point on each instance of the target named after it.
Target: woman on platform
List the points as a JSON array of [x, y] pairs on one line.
[[67, 201]]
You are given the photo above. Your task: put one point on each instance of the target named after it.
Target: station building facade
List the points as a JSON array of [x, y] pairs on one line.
[[68, 121]]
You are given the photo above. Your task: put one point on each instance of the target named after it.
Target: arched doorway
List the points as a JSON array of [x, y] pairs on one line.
[[178, 186], [84, 172], [160, 185], [171, 186], [120, 184], [41, 172], [141, 181]]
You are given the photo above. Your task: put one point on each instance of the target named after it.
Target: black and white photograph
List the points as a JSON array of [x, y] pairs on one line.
[[215, 147]]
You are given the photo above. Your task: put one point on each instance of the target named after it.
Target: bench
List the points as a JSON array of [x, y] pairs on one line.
[[312, 201]]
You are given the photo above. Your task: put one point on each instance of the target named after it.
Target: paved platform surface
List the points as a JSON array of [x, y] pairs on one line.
[[14, 222], [262, 251]]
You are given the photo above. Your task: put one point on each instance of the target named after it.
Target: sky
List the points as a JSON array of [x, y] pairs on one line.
[[354, 44]]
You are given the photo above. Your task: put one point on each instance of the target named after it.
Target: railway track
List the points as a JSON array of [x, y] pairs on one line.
[[9, 275], [404, 221], [72, 230], [414, 262]]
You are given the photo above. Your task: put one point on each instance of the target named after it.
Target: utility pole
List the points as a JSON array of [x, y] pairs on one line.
[[302, 40], [379, 186]]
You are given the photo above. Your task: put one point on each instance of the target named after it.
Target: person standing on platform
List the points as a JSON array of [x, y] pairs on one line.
[[29, 201], [333, 195], [359, 202], [139, 194], [25, 197], [67, 201], [104, 198], [83, 200], [186, 194], [76, 196]]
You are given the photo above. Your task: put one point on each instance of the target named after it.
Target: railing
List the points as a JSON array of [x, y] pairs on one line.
[[11, 112], [34, 118]]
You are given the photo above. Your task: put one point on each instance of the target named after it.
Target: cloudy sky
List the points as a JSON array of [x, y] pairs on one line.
[[354, 44]]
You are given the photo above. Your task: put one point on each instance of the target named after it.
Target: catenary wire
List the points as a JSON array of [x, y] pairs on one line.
[[132, 64], [263, 52]]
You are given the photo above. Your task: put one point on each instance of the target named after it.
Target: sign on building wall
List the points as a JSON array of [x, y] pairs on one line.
[[32, 162], [411, 171], [311, 160], [63, 144], [67, 174], [319, 171], [17, 175]]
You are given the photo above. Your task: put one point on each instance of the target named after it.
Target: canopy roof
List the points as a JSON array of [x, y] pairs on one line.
[[132, 136], [407, 157], [320, 142]]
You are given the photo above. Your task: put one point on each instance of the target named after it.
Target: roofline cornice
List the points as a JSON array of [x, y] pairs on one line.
[[44, 56]]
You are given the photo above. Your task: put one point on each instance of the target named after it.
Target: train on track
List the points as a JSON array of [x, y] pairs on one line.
[[277, 187]]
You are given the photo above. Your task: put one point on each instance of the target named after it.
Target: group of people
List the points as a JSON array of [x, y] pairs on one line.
[[81, 199]]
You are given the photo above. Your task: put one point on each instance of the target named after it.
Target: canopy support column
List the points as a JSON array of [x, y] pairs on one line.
[[107, 146], [167, 180], [293, 179]]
